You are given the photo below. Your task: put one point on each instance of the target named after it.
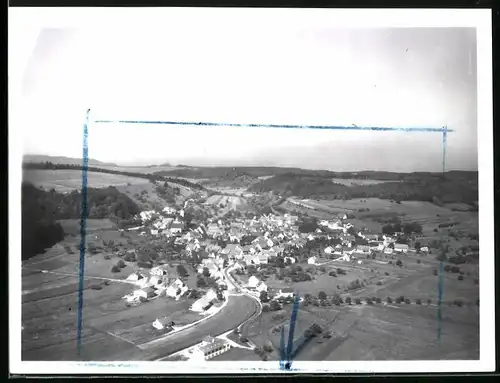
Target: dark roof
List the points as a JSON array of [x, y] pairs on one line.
[[177, 225]]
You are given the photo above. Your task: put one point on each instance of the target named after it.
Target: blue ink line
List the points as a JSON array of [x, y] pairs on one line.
[[286, 362], [440, 299], [83, 222], [445, 130], [282, 349], [323, 127]]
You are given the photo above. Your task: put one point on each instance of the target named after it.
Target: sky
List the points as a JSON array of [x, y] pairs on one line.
[[402, 77]]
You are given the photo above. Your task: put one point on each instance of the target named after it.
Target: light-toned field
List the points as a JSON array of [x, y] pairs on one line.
[[356, 182], [139, 169], [377, 332], [229, 202], [68, 180]]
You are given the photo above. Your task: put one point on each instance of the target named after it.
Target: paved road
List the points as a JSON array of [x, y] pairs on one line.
[[238, 310]]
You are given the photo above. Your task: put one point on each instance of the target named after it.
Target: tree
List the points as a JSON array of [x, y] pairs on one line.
[[206, 272], [115, 269], [348, 300], [181, 270], [201, 282], [460, 277], [417, 246], [391, 245], [399, 263], [322, 295], [268, 347], [121, 264], [264, 296], [389, 300]]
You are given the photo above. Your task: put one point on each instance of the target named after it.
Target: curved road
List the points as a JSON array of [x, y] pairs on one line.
[[239, 309]]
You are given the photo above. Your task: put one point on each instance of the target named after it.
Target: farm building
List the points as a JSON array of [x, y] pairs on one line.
[[363, 249], [287, 292], [210, 348], [204, 302], [401, 248], [146, 292]]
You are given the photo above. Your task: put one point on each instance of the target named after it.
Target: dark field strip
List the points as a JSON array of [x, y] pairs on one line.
[[55, 292]]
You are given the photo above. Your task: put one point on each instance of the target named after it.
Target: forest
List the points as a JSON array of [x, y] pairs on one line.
[[42, 209]]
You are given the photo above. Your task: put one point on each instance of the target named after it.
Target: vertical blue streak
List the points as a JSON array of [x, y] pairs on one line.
[[440, 299], [282, 349], [83, 222], [445, 131], [289, 348]]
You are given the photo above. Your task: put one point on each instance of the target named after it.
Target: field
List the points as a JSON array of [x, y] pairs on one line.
[[227, 201], [377, 332], [382, 331], [68, 180], [356, 182]]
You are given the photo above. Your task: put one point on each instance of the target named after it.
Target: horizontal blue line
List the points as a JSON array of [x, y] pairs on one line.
[[324, 127]]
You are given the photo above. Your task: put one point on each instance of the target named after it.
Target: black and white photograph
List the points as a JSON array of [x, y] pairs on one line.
[[224, 189]]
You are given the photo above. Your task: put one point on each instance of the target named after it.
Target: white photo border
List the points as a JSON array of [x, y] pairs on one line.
[[24, 24]]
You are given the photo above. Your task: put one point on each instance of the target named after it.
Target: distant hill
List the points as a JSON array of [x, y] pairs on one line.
[[230, 172], [455, 187], [38, 158]]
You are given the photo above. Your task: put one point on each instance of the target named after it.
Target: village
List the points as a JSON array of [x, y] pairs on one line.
[[228, 254]]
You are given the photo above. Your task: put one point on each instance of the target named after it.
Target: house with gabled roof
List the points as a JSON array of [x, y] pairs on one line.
[[401, 248], [204, 302]]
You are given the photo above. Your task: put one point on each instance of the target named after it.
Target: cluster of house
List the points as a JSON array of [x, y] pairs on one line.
[[153, 284], [168, 222]]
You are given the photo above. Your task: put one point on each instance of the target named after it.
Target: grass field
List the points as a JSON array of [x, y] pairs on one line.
[[68, 180], [378, 332]]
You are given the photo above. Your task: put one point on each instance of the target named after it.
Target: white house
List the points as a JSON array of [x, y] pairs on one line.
[[311, 261], [253, 281], [175, 286], [201, 304], [285, 293], [147, 292], [388, 250], [162, 323], [424, 249], [328, 250], [401, 248], [261, 287], [210, 349]]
